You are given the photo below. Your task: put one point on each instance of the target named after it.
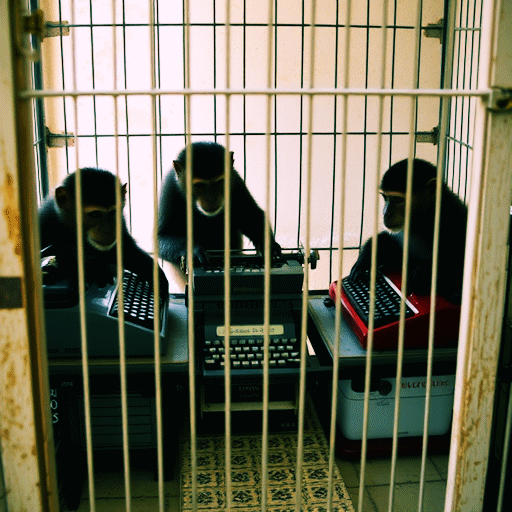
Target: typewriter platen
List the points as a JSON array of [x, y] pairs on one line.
[[246, 352]]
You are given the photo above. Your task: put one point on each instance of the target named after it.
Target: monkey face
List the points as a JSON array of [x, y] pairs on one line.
[[394, 210], [209, 195], [100, 226]]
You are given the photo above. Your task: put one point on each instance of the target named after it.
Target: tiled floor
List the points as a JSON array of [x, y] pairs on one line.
[[109, 485], [407, 478]]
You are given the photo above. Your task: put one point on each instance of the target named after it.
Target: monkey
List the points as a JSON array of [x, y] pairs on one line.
[[247, 218], [452, 233], [58, 231]]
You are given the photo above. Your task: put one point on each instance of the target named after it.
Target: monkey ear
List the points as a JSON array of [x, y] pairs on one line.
[[177, 167], [431, 187], [232, 153], [62, 198], [124, 189]]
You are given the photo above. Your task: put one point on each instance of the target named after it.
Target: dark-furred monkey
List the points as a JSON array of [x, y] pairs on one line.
[[58, 229], [247, 218], [452, 234]]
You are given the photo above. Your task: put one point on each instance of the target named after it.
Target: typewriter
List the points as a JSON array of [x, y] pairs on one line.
[[62, 317], [355, 303], [245, 353]]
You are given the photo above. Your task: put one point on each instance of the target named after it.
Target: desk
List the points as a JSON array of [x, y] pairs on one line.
[[104, 383], [352, 361], [175, 359], [352, 355]]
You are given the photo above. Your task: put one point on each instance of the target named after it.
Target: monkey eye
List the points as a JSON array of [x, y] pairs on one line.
[[94, 215], [199, 186], [395, 200]]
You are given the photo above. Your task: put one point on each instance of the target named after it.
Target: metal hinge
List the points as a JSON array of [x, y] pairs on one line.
[[431, 137], [34, 24], [59, 140], [435, 30], [500, 100]]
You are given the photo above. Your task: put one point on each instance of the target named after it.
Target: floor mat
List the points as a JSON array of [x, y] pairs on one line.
[[246, 471]]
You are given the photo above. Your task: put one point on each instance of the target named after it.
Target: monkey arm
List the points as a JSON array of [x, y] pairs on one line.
[[389, 255], [250, 218], [140, 262], [172, 221]]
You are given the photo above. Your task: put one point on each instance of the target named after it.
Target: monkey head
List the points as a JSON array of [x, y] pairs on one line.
[[98, 208], [208, 170], [393, 186]]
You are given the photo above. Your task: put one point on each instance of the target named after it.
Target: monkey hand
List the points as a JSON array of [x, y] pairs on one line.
[[360, 271], [99, 272], [276, 250], [200, 256], [420, 279]]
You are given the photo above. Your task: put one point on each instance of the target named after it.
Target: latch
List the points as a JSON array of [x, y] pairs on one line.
[[59, 140], [435, 30], [500, 100], [431, 137], [55, 29], [34, 24]]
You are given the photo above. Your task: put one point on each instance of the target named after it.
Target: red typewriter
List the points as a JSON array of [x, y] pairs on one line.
[[355, 307]]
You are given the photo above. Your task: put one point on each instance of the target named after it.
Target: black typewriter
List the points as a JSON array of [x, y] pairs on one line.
[[246, 341]]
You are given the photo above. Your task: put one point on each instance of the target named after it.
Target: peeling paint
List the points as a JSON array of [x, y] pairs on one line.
[[11, 377], [6, 350], [11, 212]]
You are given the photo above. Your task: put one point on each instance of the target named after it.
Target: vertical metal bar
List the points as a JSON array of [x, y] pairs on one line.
[[301, 131], [341, 234], [392, 84], [335, 116], [126, 104], [63, 87], [156, 268], [266, 282], [190, 258], [484, 273], [227, 265], [464, 101], [244, 82], [120, 287], [441, 163], [26, 443], [373, 274], [81, 278], [432, 320], [365, 120], [214, 6], [405, 262], [305, 290], [93, 85]]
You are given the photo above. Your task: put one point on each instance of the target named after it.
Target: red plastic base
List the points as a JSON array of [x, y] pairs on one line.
[[446, 330]]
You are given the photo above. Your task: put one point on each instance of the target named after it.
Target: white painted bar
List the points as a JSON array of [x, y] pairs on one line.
[[484, 281]]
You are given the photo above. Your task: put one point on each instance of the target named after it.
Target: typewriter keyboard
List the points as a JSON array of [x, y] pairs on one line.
[[138, 301], [247, 354], [387, 303]]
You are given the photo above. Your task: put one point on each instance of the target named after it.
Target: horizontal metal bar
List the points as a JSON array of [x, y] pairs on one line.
[[237, 134], [235, 24], [482, 93]]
